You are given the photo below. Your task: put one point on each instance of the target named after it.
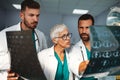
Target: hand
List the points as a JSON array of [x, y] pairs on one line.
[[83, 66], [12, 75]]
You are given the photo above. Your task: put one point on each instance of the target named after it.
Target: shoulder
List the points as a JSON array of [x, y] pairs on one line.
[[42, 54], [39, 32], [45, 52], [77, 45], [75, 49], [40, 35], [11, 28]]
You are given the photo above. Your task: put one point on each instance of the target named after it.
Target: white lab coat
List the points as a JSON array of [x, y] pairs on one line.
[[77, 54], [49, 63], [4, 54]]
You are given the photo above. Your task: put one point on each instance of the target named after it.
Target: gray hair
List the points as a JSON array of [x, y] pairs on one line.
[[54, 32]]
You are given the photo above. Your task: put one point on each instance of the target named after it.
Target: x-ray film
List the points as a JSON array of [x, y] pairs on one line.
[[105, 51], [24, 60]]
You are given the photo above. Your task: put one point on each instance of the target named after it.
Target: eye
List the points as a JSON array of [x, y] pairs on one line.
[[38, 15], [64, 36], [68, 34], [31, 15], [87, 27], [80, 27]]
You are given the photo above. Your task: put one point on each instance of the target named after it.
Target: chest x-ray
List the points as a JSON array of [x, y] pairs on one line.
[[105, 51]]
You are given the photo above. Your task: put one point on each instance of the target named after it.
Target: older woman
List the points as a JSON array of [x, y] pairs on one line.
[[54, 60]]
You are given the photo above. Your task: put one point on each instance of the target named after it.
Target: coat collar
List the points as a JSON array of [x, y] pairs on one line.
[[80, 43], [18, 26], [52, 51]]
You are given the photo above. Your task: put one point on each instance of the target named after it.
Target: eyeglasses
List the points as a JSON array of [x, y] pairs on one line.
[[65, 36]]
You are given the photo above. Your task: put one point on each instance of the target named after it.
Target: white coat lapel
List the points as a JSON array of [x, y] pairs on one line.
[[80, 43], [53, 62]]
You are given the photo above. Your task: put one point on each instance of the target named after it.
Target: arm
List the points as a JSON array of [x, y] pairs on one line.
[[77, 63], [4, 57], [12, 75], [75, 60], [83, 66]]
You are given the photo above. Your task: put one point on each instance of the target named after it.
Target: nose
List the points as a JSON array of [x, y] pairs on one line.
[[84, 30], [68, 37], [35, 18]]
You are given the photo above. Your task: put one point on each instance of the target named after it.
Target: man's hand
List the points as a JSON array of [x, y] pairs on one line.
[[12, 75], [83, 66]]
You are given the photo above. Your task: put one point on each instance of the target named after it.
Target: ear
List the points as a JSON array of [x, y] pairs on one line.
[[54, 40], [22, 15]]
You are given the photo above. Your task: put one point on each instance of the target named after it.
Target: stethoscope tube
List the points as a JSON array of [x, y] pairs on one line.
[[82, 53], [37, 38]]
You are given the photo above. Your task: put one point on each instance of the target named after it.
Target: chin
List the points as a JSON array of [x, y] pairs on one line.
[[67, 46], [33, 26], [85, 39]]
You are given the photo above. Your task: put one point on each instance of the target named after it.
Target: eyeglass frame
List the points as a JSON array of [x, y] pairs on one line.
[[64, 37]]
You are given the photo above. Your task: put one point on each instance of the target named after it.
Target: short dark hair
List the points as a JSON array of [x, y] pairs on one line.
[[30, 4], [86, 17]]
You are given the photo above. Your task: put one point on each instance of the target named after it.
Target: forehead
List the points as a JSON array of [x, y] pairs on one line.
[[65, 31], [85, 23], [32, 10]]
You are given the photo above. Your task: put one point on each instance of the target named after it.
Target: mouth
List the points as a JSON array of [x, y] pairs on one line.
[[68, 43], [84, 35], [34, 22]]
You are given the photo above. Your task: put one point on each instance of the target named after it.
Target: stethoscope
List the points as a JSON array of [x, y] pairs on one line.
[[82, 53], [37, 39]]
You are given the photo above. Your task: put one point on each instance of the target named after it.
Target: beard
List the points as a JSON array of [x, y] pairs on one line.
[[30, 25], [85, 37]]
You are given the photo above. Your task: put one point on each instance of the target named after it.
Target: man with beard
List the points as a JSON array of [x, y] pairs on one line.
[[29, 14], [80, 52]]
